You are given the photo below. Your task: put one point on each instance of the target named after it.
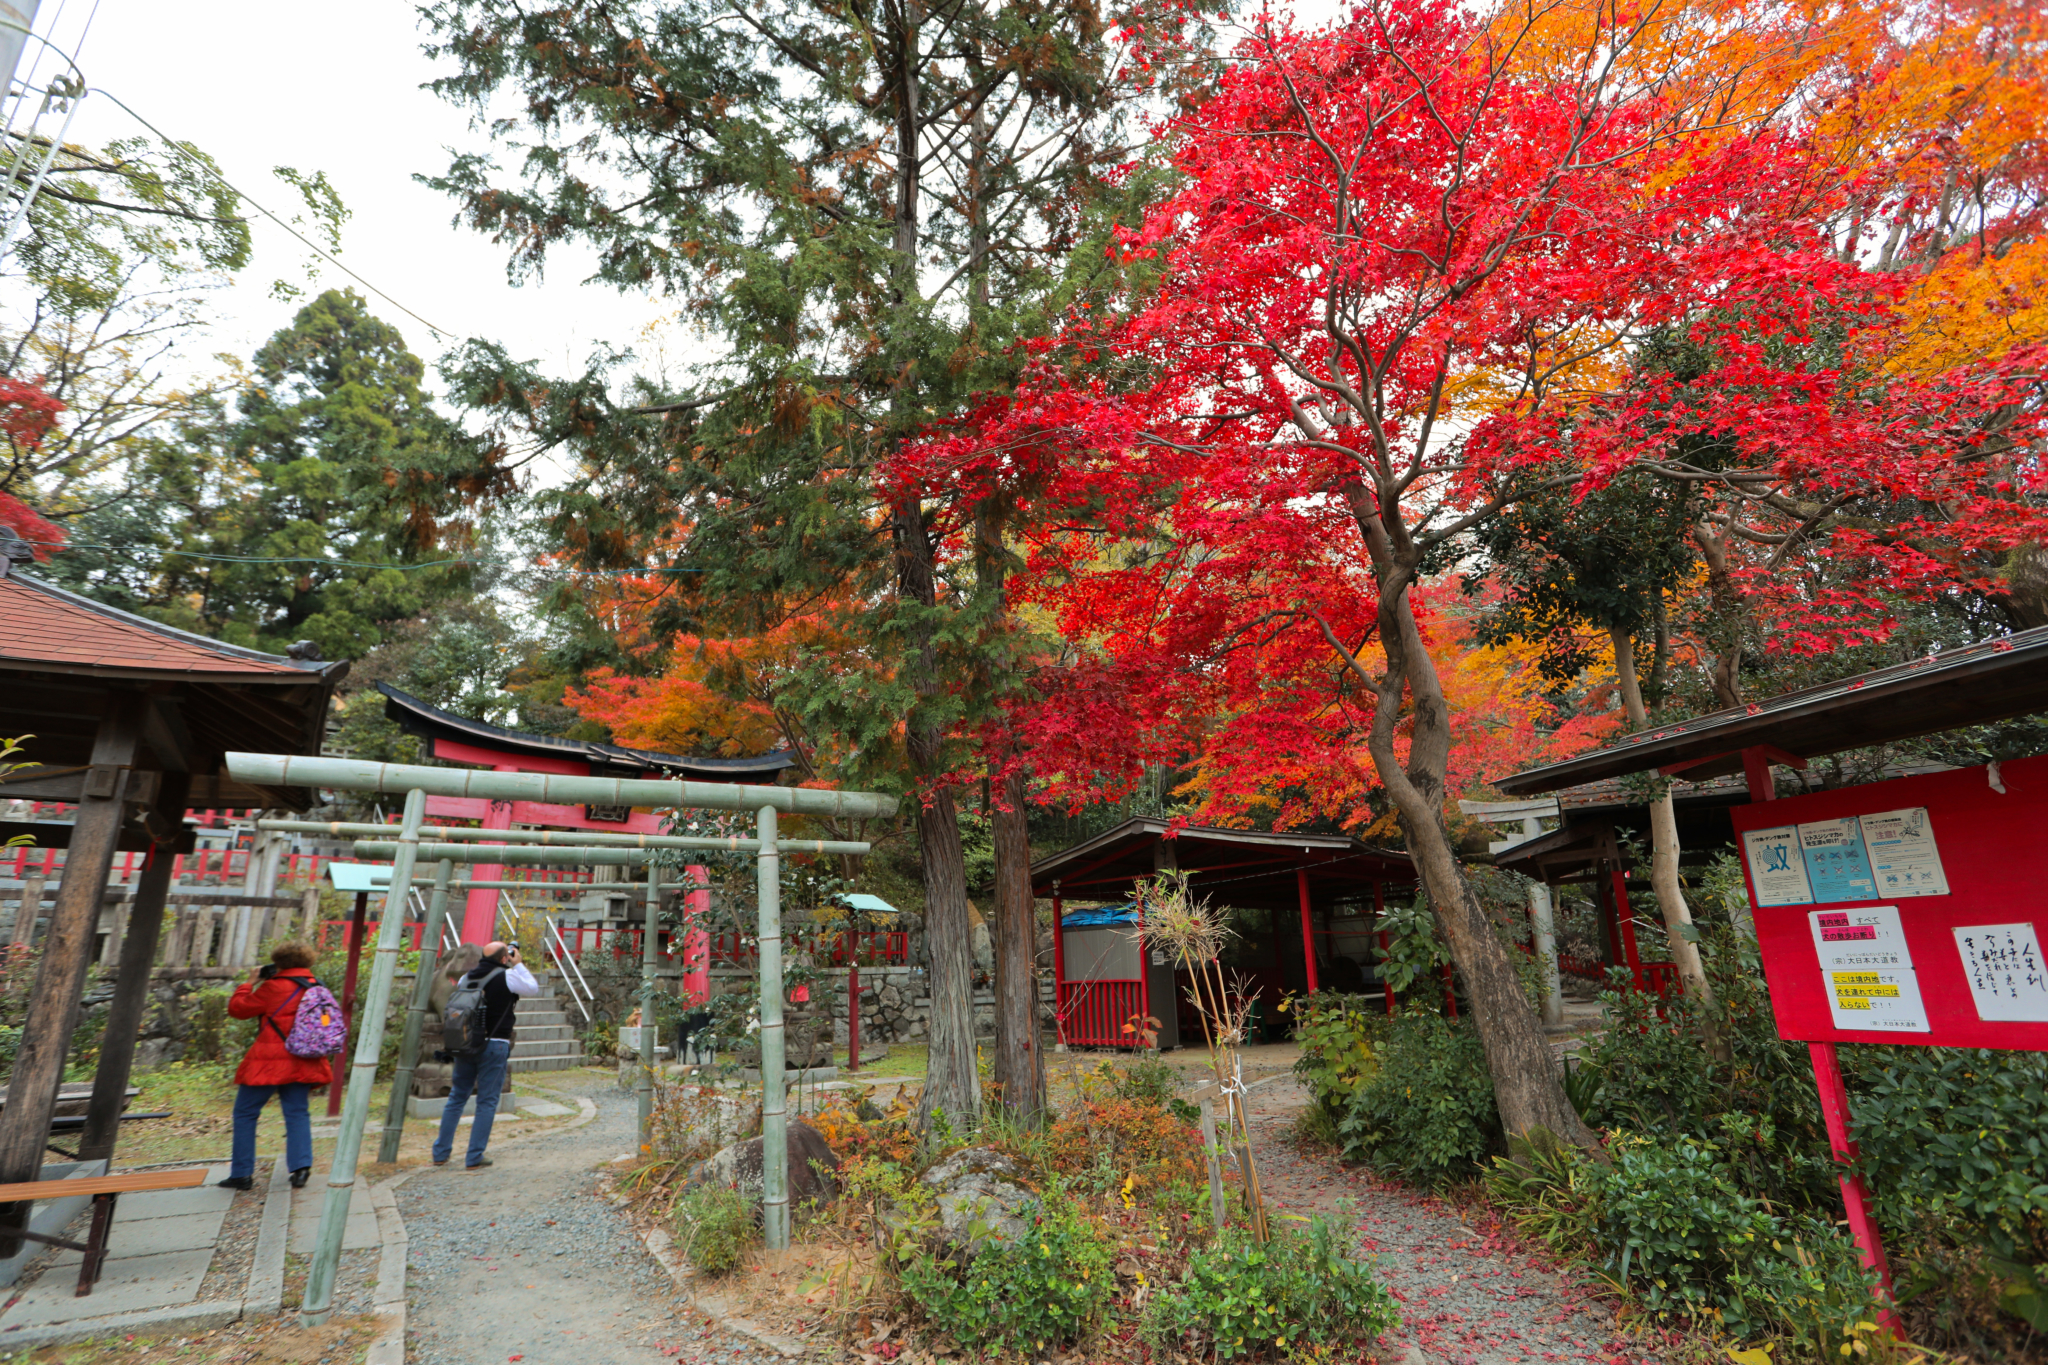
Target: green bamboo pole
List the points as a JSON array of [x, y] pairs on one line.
[[572, 838], [575, 857], [318, 1301], [416, 1013], [349, 774], [774, 1098], [649, 940]]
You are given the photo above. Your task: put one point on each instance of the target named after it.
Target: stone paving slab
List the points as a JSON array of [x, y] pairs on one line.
[[148, 1236], [359, 1233], [130, 1208], [126, 1284]]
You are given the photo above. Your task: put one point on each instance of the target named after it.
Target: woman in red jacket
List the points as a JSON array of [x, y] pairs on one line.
[[272, 998]]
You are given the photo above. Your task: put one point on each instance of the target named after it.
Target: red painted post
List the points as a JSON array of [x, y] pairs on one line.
[[1308, 930], [1144, 978], [1756, 768], [1625, 925], [1059, 965], [853, 1004], [1450, 990], [1834, 1107], [348, 988]]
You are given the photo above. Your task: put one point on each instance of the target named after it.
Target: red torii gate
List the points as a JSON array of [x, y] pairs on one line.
[[456, 739]]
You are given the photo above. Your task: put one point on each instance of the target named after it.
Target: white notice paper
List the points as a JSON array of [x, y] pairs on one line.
[[1862, 939], [1777, 869], [2003, 963], [1868, 970], [1903, 858]]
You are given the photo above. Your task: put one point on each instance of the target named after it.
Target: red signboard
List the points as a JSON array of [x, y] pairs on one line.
[[1909, 911]]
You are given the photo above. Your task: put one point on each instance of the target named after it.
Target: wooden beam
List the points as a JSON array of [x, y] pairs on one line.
[[67, 953], [67, 784], [131, 987]]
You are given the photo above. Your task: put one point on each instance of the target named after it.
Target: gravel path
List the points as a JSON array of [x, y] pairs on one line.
[[1470, 1294], [525, 1261]]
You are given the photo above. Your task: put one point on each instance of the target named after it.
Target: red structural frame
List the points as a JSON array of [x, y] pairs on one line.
[[1985, 827]]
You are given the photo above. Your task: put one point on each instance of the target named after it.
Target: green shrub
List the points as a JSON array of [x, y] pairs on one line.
[[1955, 1150], [1427, 1113], [1042, 1292], [1148, 1080], [1677, 1229], [714, 1226], [1335, 1032], [1298, 1292], [1670, 1224]]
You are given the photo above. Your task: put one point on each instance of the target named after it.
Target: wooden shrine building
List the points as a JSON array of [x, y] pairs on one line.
[[125, 720], [1306, 905]]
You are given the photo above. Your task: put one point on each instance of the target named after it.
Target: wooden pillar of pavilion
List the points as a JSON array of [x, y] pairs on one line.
[[67, 952]]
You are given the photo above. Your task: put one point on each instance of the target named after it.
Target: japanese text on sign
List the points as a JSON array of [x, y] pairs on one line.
[[2003, 964], [1868, 970]]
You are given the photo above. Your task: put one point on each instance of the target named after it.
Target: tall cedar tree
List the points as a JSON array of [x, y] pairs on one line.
[[1409, 274], [864, 205]]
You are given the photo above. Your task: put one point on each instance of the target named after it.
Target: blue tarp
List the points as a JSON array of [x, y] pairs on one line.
[[1099, 916]]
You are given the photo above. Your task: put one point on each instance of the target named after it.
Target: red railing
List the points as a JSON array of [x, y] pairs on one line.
[[1093, 1013], [336, 931], [223, 865]]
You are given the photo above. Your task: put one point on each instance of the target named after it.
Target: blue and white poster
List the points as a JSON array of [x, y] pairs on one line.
[[1777, 872], [1903, 857], [1837, 867]]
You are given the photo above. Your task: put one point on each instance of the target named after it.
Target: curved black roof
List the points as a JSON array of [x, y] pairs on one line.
[[416, 717]]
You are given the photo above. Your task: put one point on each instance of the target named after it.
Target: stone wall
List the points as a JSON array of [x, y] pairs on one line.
[[896, 1005]]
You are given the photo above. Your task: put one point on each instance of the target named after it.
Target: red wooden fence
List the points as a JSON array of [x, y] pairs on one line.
[[1093, 1013]]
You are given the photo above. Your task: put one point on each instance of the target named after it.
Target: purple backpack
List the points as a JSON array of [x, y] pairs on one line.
[[318, 1030]]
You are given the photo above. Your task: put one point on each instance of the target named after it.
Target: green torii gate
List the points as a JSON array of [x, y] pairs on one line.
[[418, 783]]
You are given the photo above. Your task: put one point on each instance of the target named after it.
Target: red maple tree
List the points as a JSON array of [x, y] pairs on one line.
[[1416, 268]]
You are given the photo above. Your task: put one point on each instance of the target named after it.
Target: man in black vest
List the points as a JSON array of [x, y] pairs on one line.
[[504, 978]]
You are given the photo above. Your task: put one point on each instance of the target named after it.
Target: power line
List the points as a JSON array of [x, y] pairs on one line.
[[363, 564], [303, 240]]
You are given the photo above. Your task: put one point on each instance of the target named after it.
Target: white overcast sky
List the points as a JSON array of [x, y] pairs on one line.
[[334, 88], [337, 88]]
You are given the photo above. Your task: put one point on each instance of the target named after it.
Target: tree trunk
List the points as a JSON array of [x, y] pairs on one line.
[[1664, 851], [1728, 605], [1018, 1068], [951, 1087], [1526, 1084]]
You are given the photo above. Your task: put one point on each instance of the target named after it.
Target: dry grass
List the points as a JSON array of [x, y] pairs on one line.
[[273, 1341]]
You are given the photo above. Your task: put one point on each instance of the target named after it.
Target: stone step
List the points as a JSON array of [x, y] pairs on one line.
[[526, 1032], [560, 1062], [541, 1047]]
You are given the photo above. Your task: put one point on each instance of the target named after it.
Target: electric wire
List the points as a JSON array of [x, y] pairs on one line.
[[478, 560], [303, 240]]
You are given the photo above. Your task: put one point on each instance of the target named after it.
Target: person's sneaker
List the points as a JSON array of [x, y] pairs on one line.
[[440, 1161], [300, 1176], [478, 1164], [236, 1182]]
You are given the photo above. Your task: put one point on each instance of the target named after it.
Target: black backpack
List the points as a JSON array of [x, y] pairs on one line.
[[464, 1025]]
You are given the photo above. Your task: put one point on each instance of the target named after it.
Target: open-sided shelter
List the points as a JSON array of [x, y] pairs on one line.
[[1314, 896], [1953, 957], [127, 721]]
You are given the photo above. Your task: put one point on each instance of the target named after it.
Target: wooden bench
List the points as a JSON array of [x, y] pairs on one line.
[[104, 1189]]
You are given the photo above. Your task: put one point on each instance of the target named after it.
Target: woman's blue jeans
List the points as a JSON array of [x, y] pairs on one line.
[[298, 1127]]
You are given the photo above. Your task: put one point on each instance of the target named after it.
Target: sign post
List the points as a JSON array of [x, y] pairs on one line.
[[1899, 912]]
